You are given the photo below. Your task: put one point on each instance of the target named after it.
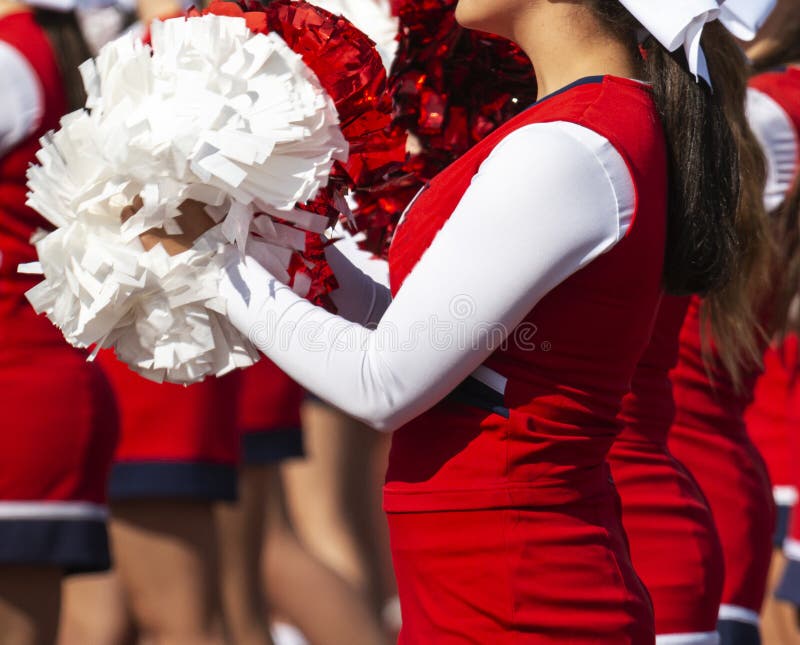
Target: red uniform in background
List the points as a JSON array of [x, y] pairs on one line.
[[59, 421], [269, 415], [674, 543], [773, 420], [175, 441], [710, 438]]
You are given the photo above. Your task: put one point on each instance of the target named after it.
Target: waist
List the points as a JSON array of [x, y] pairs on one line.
[[581, 485], [460, 457]]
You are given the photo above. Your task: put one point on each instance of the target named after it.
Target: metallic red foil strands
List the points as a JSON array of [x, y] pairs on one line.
[[450, 88]]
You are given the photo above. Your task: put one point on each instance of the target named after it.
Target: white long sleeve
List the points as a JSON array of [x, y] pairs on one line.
[[779, 141], [21, 100], [547, 201], [363, 294]]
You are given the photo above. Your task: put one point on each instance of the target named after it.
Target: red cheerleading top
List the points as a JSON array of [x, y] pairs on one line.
[[548, 435], [648, 409]]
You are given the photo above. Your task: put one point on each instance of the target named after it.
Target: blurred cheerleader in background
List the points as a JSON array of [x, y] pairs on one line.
[[773, 419], [60, 425]]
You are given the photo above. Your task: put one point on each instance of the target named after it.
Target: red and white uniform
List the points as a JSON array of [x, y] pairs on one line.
[[529, 272], [175, 442], [59, 422], [268, 415], [774, 111], [774, 418], [674, 543], [709, 437]]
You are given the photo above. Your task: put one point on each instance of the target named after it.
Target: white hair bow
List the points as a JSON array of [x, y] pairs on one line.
[[676, 23]]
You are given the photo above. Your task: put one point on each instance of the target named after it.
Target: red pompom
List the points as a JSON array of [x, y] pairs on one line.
[[451, 87]]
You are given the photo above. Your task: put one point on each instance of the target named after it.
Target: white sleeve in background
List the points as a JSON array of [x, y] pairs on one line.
[[21, 99], [363, 294], [774, 130], [548, 200]]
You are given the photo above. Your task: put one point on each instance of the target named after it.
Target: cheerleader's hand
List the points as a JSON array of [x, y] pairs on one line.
[[193, 221]]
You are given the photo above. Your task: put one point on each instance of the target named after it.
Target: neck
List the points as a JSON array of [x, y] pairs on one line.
[[566, 42], [12, 6]]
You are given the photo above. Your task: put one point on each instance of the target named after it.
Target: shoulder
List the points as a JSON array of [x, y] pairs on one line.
[[565, 162], [21, 97], [776, 134]]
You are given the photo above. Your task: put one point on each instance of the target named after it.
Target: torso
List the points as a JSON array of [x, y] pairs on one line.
[[569, 364]]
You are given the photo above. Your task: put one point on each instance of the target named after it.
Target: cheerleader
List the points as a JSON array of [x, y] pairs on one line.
[[662, 504], [258, 546], [773, 419], [59, 421], [176, 458], [710, 418], [525, 281]]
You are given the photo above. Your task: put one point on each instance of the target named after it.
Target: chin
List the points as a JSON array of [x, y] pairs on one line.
[[483, 15]]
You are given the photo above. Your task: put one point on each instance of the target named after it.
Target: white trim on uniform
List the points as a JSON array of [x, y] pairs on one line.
[[696, 638], [738, 614], [491, 379], [785, 495], [791, 549], [773, 128], [52, 511]]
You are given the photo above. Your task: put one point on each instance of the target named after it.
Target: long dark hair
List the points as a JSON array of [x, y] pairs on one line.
[[66, 39], [717, 237]]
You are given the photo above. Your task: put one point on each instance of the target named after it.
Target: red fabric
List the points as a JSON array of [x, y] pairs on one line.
[[709, 437], [268, 399], [774, 415], [564, 391], [59, 421], [662, 505], [518, 577], [508, 530], [169, 422]]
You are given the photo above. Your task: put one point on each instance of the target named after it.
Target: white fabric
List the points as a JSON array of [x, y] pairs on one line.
[[791, 549], [785, 495], [699, 638], [69, 5], [680, 23], [743, 18], [364, 292], [774, 130], [21, 98], [52, 511], [738, 614], [546, 202]]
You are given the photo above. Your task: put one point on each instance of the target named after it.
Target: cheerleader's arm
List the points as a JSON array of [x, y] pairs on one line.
[[21, 98], [547, 201]]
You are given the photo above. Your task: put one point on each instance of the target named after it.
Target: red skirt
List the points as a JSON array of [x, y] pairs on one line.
[[176, 441], [675, 547], [734, 480], [57, 439], [521, 576]]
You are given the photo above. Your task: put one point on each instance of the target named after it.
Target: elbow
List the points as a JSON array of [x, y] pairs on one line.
[[384, 415], [384, 421]]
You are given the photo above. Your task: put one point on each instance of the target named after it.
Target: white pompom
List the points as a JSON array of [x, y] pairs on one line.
[[214, 113]]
